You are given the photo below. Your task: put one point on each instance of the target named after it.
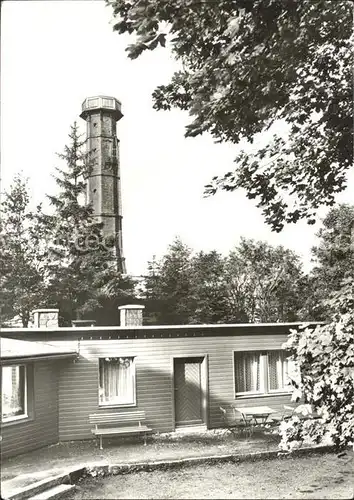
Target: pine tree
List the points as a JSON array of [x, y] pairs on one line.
[[83, 266], [169, 287], [209, 288]]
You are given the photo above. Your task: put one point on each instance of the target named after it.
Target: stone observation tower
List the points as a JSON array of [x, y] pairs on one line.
[[103, 186]]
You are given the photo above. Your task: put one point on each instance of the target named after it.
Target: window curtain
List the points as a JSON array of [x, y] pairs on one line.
[[13, 391], [247, 372], [277, 370], [117, 381]]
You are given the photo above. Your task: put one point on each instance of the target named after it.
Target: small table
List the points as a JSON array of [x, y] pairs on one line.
[[259, 414]]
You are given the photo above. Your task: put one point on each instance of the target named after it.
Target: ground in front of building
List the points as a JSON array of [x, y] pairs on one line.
[[317, 476]]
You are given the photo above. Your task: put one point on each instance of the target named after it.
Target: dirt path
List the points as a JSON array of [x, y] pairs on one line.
[[312, 477]]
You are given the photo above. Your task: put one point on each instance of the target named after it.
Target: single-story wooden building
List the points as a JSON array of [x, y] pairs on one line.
[[29, 394], [179, 375]]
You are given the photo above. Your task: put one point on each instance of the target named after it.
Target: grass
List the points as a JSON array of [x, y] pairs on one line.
[[316, 476]]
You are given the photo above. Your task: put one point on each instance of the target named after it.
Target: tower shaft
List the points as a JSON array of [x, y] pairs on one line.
[[101, 114]]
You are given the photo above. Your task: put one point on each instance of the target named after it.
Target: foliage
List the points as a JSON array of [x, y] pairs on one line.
[[297, 431], [82, 264], [264, 283], [281, 66], [209, 291], [23, 256], [250, 65], [334, 255], [183, 288], [169, 286], [255, 282], [325, 358]]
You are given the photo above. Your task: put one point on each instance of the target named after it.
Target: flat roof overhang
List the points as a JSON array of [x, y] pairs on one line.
[[154, 331], [220, 326], [18, 358]]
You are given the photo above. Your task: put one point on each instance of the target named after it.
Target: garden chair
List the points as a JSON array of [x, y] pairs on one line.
[[270, 427], [303, 411], [275, 420], [235, 421], [288, 412]]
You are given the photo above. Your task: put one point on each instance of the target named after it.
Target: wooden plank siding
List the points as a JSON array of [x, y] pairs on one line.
[[41, 428], [78, 384], [154, 351]]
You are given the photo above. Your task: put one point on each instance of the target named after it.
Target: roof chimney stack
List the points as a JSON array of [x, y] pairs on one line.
[[131, 315], [45, 318]]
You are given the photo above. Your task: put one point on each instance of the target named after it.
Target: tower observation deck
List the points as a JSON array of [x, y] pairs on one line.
[[101, 114]]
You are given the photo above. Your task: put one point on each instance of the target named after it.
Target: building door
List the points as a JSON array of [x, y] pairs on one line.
[[189, 389]]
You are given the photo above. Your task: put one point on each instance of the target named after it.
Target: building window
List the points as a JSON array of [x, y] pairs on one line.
[[248, 372], [117, 381], [261, 372], [13, 393], [278, 379]]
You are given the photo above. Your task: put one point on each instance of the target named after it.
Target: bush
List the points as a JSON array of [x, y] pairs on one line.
[[325, 358]]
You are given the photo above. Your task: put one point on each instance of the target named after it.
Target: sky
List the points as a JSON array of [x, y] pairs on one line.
[[54, 54]]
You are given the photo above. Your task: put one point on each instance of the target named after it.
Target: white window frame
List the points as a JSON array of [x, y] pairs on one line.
[[110, 404], [261, 372], [264, 375], [24, 415]]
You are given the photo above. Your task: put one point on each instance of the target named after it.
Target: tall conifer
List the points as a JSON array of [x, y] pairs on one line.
[[83, 265]]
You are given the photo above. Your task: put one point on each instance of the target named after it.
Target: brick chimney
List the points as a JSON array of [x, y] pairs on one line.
[[45, 318], [131, 315]]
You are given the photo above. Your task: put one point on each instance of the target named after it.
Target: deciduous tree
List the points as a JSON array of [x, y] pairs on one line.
[[333, 259], [23, 254], [255, 282], [248, 65], [264, 283]]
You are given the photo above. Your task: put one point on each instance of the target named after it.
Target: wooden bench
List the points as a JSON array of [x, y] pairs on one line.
[[123, 424]]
